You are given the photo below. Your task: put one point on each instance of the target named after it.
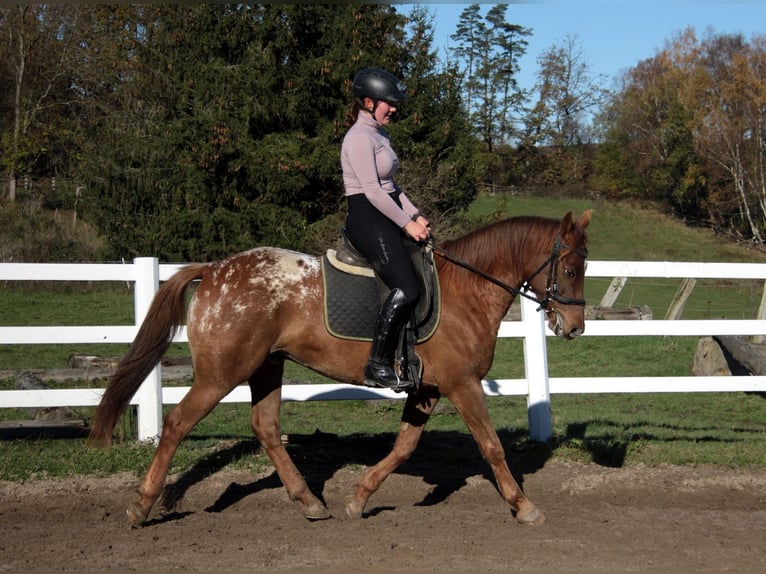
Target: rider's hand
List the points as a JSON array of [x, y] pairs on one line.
[[419, 230]]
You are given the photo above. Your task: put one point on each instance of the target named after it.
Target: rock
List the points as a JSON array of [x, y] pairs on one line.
[[744, 356], [709, 359]]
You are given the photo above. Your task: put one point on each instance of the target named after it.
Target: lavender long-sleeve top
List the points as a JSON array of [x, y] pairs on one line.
[[369, 165]]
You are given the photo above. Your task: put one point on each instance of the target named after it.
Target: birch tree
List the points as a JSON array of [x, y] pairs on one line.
[[730, 121]]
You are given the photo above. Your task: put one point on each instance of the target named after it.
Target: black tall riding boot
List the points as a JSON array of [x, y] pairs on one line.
[[379, 371]]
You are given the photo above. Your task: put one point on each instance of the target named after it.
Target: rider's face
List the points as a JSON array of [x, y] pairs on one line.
[[383, 110]]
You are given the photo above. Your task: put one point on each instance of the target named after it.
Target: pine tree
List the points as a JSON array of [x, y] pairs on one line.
[[227, 127]]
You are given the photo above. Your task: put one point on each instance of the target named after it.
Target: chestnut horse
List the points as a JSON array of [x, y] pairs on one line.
[[252, 311]]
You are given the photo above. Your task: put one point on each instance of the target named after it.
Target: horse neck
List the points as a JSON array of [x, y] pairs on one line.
[[509, 251], [533, 243]]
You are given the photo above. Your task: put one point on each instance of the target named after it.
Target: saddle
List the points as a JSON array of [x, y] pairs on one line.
[[353, 294]]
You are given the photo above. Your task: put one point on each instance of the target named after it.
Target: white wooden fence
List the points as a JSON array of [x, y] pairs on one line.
[[147, 273]]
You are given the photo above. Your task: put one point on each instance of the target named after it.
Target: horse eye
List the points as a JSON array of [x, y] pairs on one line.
[[569, 273]]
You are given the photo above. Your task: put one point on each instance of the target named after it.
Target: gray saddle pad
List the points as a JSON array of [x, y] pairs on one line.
[[352, 301]]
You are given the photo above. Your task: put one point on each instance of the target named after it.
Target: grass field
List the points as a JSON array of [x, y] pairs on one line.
[[613, 429]]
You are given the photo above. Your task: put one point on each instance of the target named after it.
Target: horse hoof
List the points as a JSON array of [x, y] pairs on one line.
[[135, 516], [354, 508], [532, 517], [316, 512]]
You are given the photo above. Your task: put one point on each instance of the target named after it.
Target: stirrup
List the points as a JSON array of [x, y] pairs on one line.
[[398, 385]]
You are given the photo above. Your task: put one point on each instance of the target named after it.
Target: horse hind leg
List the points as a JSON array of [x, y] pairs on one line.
[[197, 403], [266, 389], [417, 410]]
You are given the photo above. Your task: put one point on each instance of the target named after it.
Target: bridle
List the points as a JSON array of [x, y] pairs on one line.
[[552, 282]]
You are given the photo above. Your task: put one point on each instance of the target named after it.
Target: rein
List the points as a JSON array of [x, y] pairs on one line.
[[552, 285]]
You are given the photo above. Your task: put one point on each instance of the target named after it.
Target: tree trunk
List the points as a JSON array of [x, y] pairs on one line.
[[20, 68], [12, 186]]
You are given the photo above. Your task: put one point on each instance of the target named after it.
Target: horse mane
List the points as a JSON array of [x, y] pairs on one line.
[[512, 237]]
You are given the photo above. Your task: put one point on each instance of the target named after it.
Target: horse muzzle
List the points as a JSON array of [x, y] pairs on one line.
[[561, 328]]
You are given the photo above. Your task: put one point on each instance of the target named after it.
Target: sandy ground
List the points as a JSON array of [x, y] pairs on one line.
[[430, 516]]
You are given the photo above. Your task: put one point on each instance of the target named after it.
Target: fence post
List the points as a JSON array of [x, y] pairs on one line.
[[614, 290], [150, 393], [678, 303], [761, 316], [536, 367]]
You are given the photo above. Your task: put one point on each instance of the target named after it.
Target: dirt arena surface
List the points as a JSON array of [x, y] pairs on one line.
[[425, 518]]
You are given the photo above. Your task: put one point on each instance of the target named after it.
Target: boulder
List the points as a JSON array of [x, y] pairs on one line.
[[709, 359]]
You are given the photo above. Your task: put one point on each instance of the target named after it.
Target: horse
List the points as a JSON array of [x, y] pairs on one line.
[[254, 310]]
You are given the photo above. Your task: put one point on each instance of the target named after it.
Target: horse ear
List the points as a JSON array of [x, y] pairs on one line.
[[585, 219], [566, 222]]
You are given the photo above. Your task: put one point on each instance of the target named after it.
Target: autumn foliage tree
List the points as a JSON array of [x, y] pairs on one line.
[[688, 128], [728, 99]]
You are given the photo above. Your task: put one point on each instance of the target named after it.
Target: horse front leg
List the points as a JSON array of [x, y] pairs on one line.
[[266, 389], [470, 403], [417, 409]]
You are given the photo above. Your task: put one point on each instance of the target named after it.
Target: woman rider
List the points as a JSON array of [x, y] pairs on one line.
[[380, 215]]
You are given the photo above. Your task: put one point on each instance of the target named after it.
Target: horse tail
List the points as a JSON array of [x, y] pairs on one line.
[[165, 315]]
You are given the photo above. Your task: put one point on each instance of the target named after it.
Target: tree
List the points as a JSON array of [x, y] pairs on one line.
[[226, 131], [729, 103], [39, 50], [648, 146], [567, 93], [511, 46], [490, 50], [213, 143], [689, 127], [432, 136], [468, 34], [199, 130]]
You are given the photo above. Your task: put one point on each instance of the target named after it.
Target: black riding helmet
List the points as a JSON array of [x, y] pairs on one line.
[[378, 84]]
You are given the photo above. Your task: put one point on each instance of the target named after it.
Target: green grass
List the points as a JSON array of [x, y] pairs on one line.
[[693, 428], [613, 430], [654, 356], [610, 429]]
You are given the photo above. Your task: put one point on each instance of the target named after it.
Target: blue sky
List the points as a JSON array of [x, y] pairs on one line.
[[613, 35]]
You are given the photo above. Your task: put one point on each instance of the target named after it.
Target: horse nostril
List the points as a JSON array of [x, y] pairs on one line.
[[576, 332]]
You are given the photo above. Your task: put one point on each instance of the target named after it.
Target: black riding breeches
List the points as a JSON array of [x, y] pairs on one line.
[[382, 244]]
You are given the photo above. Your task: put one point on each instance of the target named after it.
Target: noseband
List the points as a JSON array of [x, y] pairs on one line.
[[552, 284]]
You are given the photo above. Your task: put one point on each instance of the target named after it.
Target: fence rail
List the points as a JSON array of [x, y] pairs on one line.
[[146, 274]]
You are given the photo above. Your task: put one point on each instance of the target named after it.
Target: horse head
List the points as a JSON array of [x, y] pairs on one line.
[[559, 282]]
